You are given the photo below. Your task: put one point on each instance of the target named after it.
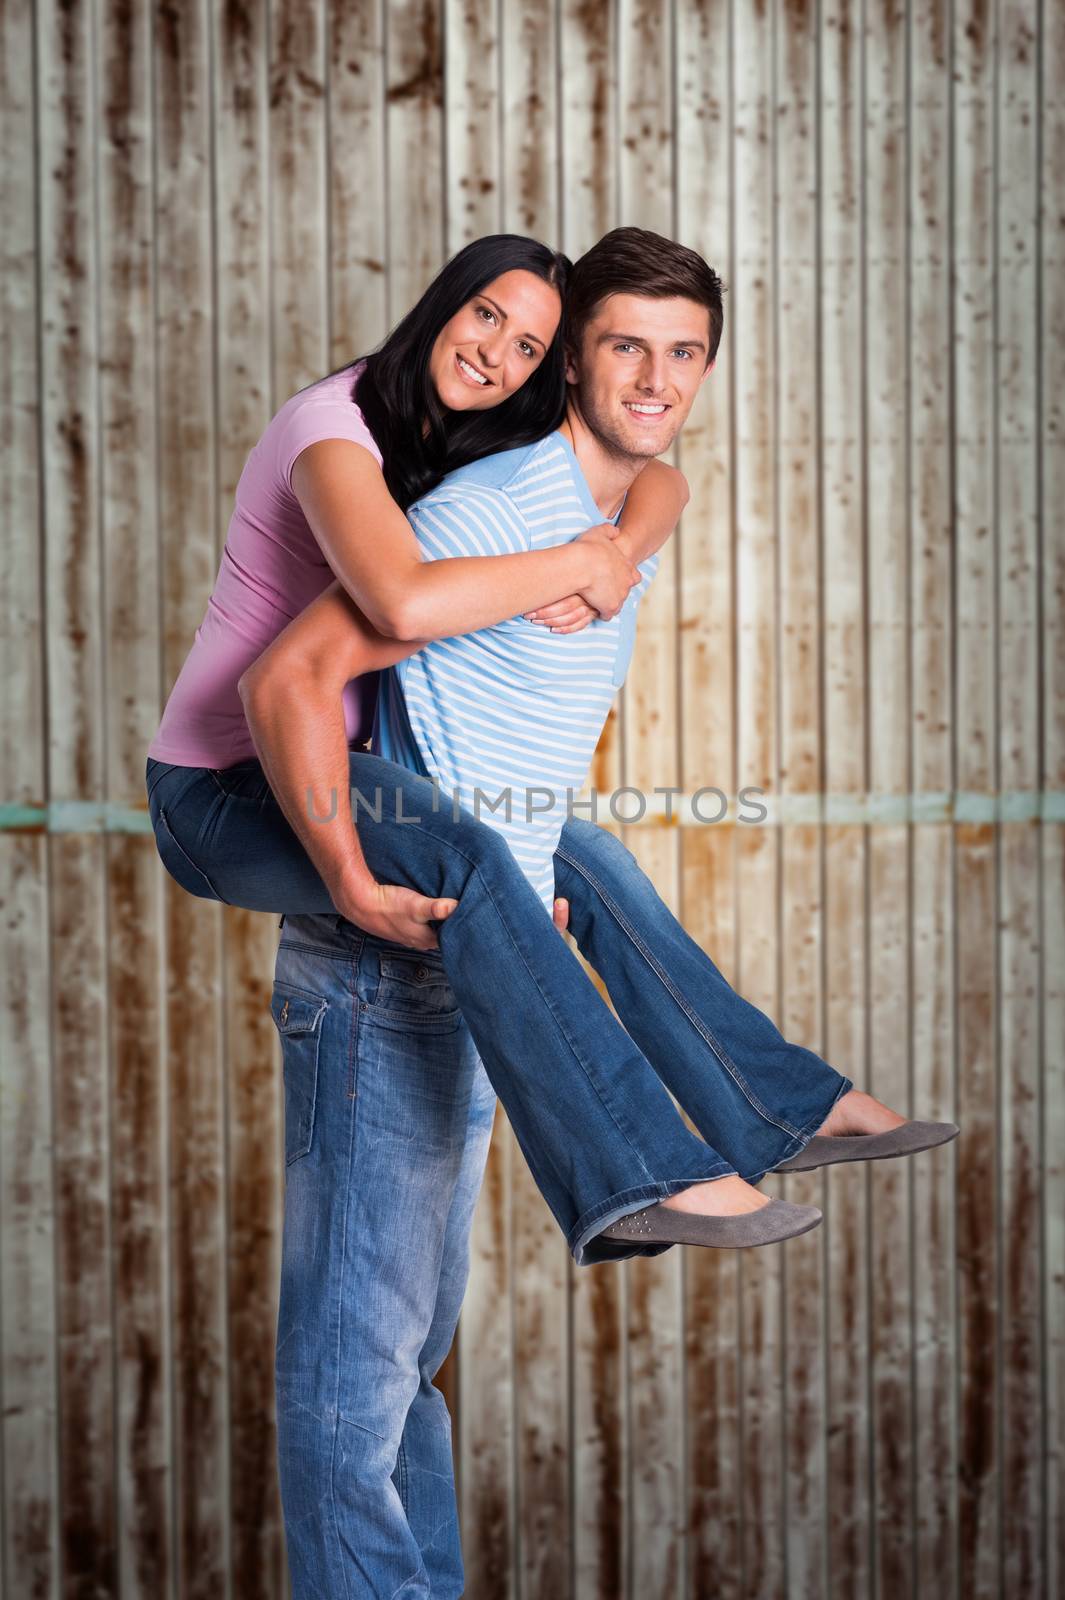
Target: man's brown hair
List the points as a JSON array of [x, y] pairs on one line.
[[636, 261]]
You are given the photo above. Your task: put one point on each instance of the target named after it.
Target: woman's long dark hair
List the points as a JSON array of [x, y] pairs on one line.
[[398, 398]]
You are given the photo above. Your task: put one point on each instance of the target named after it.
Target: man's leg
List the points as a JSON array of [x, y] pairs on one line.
[[379, 1078], [424, 1474], [753, 1095]]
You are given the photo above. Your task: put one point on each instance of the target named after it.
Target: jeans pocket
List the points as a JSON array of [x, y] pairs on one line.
[[413, 993], [298, 1017]]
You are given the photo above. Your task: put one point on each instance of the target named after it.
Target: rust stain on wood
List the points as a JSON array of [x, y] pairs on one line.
[[425, 82]]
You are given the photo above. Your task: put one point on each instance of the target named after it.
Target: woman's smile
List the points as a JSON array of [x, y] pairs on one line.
[[470, 372]]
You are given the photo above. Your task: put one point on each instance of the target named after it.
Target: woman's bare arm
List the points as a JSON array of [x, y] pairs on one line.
[[292, 700], [372, 550]]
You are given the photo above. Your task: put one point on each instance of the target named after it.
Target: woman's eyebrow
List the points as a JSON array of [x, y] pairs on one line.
[[533, 337]]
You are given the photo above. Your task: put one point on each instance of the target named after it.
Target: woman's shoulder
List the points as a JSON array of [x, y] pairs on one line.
[[323, 410]]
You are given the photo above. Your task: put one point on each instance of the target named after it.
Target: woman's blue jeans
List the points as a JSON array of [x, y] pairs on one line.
[[586, 1096]]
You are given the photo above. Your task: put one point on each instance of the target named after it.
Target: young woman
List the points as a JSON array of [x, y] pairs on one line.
[[474, 368]]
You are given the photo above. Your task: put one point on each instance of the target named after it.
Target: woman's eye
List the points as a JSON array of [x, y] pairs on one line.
[[526, 349], [484, 311]]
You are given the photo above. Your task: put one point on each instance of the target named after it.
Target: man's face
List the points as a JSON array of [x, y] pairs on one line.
[[639, 369]]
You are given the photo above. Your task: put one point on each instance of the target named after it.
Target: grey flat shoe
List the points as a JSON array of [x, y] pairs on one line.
[[659, 1224], [825, 1149]]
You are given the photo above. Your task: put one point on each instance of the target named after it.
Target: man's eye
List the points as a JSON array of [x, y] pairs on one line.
[[686, 355], [624, 347]]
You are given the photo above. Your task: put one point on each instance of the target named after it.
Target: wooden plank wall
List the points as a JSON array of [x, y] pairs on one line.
[[202, 207]]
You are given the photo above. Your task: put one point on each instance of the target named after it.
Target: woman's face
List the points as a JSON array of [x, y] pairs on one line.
[[495, 342]]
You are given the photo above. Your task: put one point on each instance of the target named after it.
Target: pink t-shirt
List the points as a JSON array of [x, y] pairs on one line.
[[271, 568]]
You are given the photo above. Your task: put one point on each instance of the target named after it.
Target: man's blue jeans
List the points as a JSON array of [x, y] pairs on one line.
[[388, 1119]]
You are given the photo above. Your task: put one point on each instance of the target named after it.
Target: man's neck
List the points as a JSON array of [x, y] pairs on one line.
[[609, 476]]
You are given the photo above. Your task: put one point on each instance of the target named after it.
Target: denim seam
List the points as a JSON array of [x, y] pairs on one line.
[[353, 1031], [172, 836], [401, 1463], [315, 950], [663, 977], [348, 1194]]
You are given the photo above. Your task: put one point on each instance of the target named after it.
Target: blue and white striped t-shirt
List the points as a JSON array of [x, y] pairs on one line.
[[513, 711]]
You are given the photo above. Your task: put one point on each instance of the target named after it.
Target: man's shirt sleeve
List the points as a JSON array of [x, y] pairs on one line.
[[468, 521]]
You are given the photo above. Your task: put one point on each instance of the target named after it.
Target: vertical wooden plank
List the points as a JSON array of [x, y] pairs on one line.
[[541, 1262], [979, 1353], [888, 719], [798, 488], [76, 730], [297, 188], [932, 921], [488, 1380], [28, 1465], [1052, 699], [187, 500], [588, 182], [416, 222], [249, 97], [530, 118], [703, 649], [471, 120], [358, 201], [655, 1350], [649, 758], [30, 1554], [587, 208], [713, 1356], [135, 954], [253, 1254], [844, 773], [762, 1527], [486, 1385], [1019, 770]]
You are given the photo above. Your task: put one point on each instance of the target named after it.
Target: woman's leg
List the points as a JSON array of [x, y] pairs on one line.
[[741, 1082], [600, 1133]]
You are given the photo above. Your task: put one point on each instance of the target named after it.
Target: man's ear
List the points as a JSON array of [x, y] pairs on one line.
[[707, 373], [572, 375]]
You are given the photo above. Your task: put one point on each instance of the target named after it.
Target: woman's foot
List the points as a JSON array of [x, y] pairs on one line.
[[663, 1223], [719, 1197], [858, 1112]]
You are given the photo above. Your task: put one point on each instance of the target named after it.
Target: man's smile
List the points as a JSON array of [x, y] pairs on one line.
[[646, 408]]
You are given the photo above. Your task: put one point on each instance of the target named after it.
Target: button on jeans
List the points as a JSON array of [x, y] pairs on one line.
[[388, 1119]]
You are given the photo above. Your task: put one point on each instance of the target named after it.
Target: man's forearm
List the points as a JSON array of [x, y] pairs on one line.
[[301, 740]]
